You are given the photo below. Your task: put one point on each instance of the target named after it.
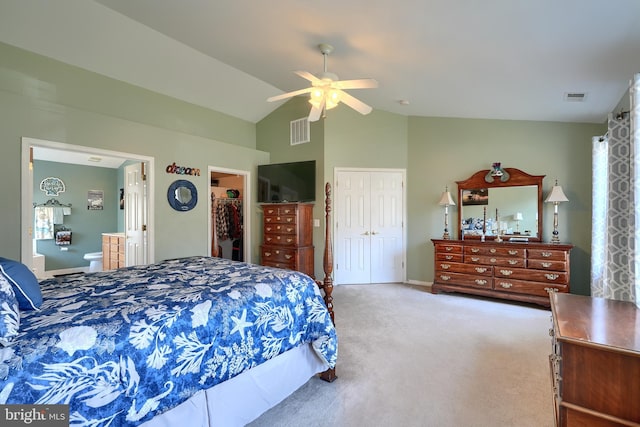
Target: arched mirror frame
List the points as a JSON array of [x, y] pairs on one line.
[[484, 179]]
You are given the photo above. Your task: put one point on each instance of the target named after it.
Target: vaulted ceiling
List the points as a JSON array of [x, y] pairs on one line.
[[499, 59]]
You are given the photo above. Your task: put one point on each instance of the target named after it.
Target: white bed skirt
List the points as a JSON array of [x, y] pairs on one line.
[[244, 398]]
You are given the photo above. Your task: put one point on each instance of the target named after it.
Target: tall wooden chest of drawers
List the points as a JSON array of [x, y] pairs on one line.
[[514, 271], [595, 361], [288, 236]]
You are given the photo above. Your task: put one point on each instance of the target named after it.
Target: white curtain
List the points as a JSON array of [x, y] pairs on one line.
[[615, 242]]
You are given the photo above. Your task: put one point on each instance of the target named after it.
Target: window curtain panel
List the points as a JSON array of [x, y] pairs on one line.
[[615, 241]]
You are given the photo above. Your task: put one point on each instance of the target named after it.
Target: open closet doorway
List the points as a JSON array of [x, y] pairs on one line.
[[229, 225], [63, 153]]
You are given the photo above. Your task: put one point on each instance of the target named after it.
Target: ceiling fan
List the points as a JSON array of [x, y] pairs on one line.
[[326, 91]]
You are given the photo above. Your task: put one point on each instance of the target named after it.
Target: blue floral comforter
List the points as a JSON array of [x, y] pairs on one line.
[[122, 346]]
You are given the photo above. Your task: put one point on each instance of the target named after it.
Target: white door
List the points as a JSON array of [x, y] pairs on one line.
[[369, 209], [135, 215]]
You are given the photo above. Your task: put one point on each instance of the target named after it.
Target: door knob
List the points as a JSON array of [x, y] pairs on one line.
[[366, 233]]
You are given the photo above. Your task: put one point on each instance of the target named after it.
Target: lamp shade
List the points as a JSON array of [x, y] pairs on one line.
[[446, 200], [556, 195], [517, 216]]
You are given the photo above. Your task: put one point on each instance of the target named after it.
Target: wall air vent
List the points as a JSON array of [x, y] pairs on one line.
[[300, 131], [575, 96]]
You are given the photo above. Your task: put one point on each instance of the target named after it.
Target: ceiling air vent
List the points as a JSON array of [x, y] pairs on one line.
[[300, 131], [575, 96]]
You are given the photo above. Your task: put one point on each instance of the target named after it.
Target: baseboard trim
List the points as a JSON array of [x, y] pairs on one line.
[[419, 283]]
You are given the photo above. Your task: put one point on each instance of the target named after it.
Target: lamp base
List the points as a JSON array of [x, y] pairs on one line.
[[445, 236], [554, 237]]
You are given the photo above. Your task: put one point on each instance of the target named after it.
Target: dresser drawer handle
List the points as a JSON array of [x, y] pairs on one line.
[[277, 252], [475, 250], [506, 285], [267, 220], [289, 240], [268, 229], [506, 272], [289, 219], [552, 276], [480, 282], [475, 259], [290, 229], [288, 256], [445, 266], [513, 252], [481, 269], [271, 211], [448, 248], [493, 260], [492, 250], [547, 264], [513, 261], [448, 257], [445, 277], [551, 289], [287, 211], [267, 254], [546, 254], [268, 239]]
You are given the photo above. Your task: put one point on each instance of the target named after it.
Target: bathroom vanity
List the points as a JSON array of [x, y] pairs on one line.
[[113, 255]]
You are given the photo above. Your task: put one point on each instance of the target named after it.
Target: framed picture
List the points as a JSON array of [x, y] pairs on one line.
[[122, 198], [95, 200], [475, 196]]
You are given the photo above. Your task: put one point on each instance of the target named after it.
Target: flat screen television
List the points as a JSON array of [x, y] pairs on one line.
[[287, 182]]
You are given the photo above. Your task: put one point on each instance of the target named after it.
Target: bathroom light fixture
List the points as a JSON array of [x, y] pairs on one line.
[[556, 197], [446, 201]]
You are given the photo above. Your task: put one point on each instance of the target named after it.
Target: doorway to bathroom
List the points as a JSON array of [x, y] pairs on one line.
[[229, 225], [98, 196]]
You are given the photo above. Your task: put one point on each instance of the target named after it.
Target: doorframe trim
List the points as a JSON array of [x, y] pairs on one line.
[[334, 232], [246, 203], [26, 223]]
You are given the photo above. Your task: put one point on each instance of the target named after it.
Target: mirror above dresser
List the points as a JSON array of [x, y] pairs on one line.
[[500, 202]]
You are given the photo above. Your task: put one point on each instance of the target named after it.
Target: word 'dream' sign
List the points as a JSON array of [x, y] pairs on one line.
[[182, 170]]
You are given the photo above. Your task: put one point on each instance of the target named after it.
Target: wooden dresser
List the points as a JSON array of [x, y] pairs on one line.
[[288, 236], [595, 361], [113, 255], [514, 271]]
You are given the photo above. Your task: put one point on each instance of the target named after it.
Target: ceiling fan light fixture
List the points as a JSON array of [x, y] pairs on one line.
[[332, 98], [327, 92]]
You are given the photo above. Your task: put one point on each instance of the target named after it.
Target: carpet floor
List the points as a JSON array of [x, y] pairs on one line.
[[407, 357]]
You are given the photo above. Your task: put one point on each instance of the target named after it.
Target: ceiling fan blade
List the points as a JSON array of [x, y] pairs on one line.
[[356, 84], [290, 94], [308, 76], [315, 112], [355, 103]]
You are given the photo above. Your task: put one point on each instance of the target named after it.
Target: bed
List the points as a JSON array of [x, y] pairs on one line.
[[206, 339]]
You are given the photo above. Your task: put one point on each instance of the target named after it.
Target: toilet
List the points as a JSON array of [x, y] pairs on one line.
[[95, 261]]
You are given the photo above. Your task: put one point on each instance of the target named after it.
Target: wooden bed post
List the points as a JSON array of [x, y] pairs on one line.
[[327, 264]]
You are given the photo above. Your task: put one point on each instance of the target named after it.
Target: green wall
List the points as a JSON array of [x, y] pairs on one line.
[[45, 99], [86, 225], [443, 151], [437, 152]]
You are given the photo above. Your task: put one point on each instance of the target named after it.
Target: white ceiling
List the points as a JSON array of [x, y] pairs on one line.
[[498, 59]]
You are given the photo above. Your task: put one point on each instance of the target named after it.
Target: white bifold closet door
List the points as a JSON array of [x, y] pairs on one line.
[[369, 232]]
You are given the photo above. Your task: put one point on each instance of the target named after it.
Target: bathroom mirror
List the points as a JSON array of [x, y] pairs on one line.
[[499, 206], [182, 195]]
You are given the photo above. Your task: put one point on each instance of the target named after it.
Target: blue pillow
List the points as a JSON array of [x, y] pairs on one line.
[[25, 284], [9, 313]]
